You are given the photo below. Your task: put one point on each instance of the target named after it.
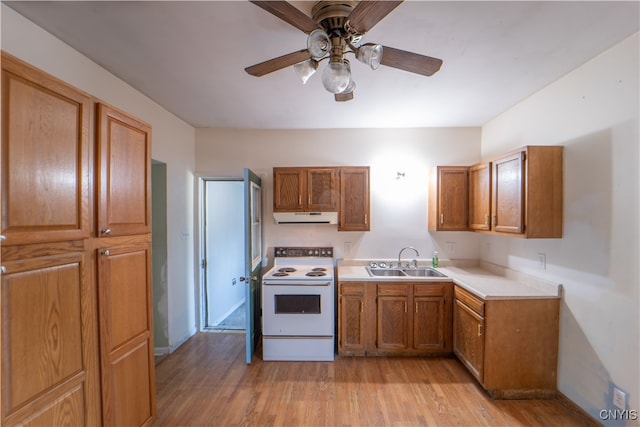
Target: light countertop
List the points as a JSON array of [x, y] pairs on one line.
[[487, 281]]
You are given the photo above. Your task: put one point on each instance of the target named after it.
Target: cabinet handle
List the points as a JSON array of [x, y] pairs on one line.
[[309, 199], [365, 219], [3, 269], [361, 307], [106, 252], [441, 218], [300, 200], [479, 330], [416, 307], [405, 307], [105, 231]]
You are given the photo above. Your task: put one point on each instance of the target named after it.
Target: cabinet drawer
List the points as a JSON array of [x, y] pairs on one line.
[[432, 289], [351, 289], [470, 300], [395, 289]]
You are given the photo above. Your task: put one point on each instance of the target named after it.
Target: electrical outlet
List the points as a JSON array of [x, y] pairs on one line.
[[619, 398], [542, 261], [347, 248], [451, 247]]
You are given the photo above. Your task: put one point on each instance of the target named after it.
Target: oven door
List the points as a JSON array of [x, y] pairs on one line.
[[290, 309]]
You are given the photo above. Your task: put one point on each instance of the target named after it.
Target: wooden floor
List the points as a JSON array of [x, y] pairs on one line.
[[206, 382]]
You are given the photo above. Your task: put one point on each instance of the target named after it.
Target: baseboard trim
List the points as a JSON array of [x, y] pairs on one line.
[[173, 347], [584, 416]]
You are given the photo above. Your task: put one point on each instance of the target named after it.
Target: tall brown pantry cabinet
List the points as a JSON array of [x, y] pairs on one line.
[[76, 345]]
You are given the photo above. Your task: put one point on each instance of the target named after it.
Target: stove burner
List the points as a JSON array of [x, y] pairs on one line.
[[319, 269], [286, 270], [280, 274], [316, 273]]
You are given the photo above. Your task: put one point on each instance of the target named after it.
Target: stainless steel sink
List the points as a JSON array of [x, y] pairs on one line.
[[385, 272], [422, 272]]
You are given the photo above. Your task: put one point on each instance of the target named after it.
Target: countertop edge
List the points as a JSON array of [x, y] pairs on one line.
[[464, 274]]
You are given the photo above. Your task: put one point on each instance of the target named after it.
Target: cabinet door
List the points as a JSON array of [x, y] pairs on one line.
[[289, 185], [45, 157], [322, 190], [351, 319], [508, 193], [429, 323], [453, 198], [468, 338], [392, 332], [50, 369], [128, 379], [480, 197], [124, 176], [354, 199]]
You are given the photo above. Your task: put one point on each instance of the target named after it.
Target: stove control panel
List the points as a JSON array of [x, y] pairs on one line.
[[292, 252]]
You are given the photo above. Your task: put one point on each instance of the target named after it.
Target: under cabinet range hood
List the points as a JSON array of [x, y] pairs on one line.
[[306, 217]]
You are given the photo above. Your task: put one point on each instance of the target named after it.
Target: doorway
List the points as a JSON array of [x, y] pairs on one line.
[[159, 257], [224, 305]]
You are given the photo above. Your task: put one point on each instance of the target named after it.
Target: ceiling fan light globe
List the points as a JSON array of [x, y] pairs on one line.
[[370, 54], [306, 69], [336, 77], [318, 44]]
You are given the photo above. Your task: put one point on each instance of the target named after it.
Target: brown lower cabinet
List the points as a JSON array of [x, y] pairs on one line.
[[394, 318], [510, 346]]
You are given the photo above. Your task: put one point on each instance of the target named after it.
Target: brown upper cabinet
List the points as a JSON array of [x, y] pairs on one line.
[[45, 130], [480, 197], [305, 189], [124, 178], [518, 194], [527, 193], [325, 189], [449, 198], [354, 199]]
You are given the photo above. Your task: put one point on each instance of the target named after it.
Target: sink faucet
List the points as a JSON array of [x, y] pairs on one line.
[[402, 250]]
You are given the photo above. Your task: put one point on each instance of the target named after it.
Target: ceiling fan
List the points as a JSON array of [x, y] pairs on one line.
[[334, 30]]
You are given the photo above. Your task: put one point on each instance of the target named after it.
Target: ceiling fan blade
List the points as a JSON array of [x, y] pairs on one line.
[[409, 61], [288, 13], [368, 13], [278, 63], [343, 97]]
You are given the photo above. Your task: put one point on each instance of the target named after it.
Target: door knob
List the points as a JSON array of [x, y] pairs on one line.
[[244, 279]]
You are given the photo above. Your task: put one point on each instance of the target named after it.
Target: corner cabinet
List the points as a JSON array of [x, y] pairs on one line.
[[394, 318], [518, 194], [480, 197], [510, 345], [76, 343], [449, 198]]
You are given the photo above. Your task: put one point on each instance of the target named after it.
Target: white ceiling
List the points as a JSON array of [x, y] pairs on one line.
[[190, 58]]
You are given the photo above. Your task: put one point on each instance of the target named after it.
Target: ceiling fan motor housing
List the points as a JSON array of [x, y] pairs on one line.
[[333, 15]]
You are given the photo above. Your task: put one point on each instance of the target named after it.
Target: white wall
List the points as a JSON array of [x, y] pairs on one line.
[[593, 112], [224, 248], [172, 143], [398, 207]]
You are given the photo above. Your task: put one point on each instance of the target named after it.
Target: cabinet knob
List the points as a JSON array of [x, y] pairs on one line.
[[106, 252], [3, 237], [105, 231], [3, 269]]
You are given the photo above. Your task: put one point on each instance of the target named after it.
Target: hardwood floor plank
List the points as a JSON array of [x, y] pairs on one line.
[[207, 383]]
